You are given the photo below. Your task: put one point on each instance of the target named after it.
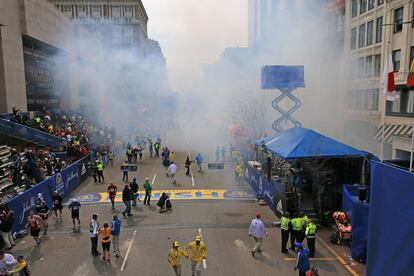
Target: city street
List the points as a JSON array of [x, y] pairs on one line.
[[220, 210]]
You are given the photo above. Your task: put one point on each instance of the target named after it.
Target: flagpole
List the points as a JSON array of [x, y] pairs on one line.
[[412, 148], [385, 105]]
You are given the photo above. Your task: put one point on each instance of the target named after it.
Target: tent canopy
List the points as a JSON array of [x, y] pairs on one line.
[[299, 142]]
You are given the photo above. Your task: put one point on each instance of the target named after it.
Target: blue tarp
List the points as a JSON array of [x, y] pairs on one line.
[[301, 142], [282, 77], [391, 224], [358, 215]]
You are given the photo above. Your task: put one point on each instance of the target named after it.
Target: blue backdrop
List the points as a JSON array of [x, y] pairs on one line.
[[391, 224], [280, 76]]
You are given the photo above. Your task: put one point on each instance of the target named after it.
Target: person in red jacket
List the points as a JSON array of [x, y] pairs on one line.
[[112, 190]]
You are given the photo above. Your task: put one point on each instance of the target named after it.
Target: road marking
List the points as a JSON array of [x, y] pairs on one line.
[[153, 179], [192, 180], [312, 259], [204, 260], [129, 249], [340, 259]]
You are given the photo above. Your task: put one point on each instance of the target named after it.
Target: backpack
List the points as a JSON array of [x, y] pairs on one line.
[[168, 204]]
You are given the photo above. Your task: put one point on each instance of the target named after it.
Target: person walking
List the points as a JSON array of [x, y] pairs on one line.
[[172, 169], [74, 207], [285, 228], [94, 230], [115, 232], [125, 170], [57, 205], [197, 252], [311, 237], [6, 227], [134, 188], [100, 167], [127, 196], [296, 234], [174, 258], [148, 190], [257, 231], [151, 148], [199, 160], [112, 190], [187, 165], [33, 223], [302, 260], [106, 242], [111, 158]]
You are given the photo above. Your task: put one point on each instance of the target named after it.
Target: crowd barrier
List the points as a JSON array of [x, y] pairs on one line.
[[272, 193], [30, 134], [64, 183]]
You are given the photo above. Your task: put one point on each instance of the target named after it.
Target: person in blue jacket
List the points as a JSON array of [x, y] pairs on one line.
[[115, 231], [302, 260], [199, 159]]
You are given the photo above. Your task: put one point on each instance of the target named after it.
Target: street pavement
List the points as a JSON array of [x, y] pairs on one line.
[[222, 219]]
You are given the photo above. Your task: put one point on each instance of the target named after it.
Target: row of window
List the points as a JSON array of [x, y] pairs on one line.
[[366, 33], [365, 67], [363, 99], [364, 5], [97, 9], [403, 105]]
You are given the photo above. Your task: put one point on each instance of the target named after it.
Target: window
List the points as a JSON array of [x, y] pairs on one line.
[[81, 8], [127, 8], [378, 31], [403, 106], [396, 59], [412, 18], [380, 2], [362, 6], [363, 99], [368, 67], [361, 36], [411, 55], [128, 19], [371, 4], [377, 65], [370, 30], [398, 19], [353, 38], [354, 7], [361, 68], [116, 11], [66, 8]]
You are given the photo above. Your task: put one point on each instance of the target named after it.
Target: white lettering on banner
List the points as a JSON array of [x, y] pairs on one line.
[[261, 185], [71, 175], [279, 206], [59, 183], [26, 206]]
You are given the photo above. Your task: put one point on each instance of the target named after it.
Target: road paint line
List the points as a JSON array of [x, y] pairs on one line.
[[128, 250], [192, 180], [201, 235], [312, 259], [153, 179], [340, 259]]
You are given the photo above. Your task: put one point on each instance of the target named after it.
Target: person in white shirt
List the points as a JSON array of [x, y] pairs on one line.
[[257, 230], [172, 169], [94, 230], [7, 262]]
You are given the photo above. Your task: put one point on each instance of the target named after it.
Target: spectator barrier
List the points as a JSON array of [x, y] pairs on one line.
[[64, 182]]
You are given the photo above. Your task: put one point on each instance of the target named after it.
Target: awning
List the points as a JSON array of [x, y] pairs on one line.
[[393, 130]]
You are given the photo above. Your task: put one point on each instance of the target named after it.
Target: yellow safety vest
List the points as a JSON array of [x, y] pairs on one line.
[[310, 230], [284, 223], [196, 253], [297, 224], [100, 167], [305, 220]]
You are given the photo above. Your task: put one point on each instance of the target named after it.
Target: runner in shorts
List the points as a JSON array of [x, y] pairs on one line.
[[43, 212], [106, 242], [57, 205], [74, 207], [112, 190], [33, 223]]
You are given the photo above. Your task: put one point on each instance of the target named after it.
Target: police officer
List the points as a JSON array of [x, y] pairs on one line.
[[100, 167], [296, 233], [285, 227], [310, 237], [125, 169]]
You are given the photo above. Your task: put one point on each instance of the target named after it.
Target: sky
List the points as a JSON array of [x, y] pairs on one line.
[[192, 33]]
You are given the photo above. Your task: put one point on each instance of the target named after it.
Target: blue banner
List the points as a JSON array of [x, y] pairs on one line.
[[273, 194], [30, 134], [282, 77]]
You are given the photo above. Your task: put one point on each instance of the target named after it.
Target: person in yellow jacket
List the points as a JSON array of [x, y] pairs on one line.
[[239, 173], [174, 257], [22, 267], [172, 156], [197, 251]]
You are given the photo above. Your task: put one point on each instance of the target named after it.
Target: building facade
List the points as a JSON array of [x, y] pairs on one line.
[[376, 29]]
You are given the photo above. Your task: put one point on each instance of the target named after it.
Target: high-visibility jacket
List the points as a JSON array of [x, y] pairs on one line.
[[297, 224], [284, 223], [196, 252], [174, 256], [100, 167], [305, 220], [310, 230], [106, 235]]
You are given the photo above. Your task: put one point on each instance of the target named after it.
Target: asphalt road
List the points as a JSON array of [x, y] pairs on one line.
[[223, 224]]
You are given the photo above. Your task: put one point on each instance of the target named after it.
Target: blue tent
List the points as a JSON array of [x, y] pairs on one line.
[[301, 142]]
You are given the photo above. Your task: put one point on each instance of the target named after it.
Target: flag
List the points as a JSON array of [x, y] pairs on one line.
[[387, 80], [410, 78]]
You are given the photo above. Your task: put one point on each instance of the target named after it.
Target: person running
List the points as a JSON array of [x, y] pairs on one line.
[[161, 202], [187, 165], [197, 252], [22, 267], [127, 196], [134, 188], [257, 230], [125, 170], [106, 242], [172, 169], [43, 212], [57, 205], [74, 207], [115, 231], [112, 190], [174, 257], [34, 223], [148, 190], [199, 160], [94, 230]]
